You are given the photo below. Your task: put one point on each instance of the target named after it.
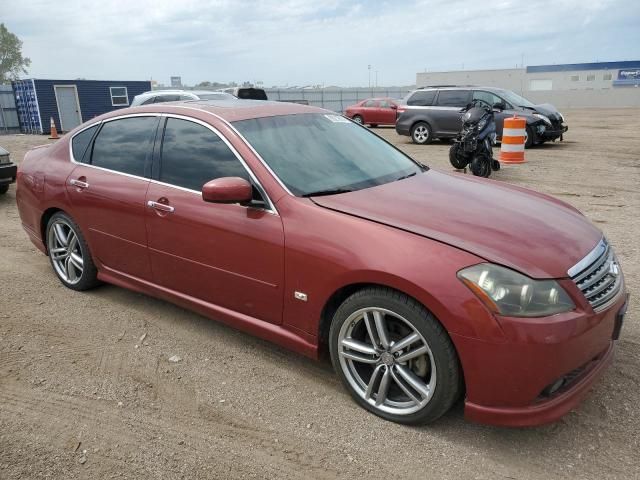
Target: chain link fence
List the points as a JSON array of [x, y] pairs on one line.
[[336, 99]]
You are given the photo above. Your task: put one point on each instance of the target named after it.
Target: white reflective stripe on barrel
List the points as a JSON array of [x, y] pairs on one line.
[[510, 147], [513, 132]]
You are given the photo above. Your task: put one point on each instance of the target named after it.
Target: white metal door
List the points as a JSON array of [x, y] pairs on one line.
[[68, 106]]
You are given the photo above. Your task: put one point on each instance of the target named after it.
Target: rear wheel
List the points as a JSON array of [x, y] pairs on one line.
[[4, 189], [421, 133], [69, 253], [373, 125], [529, 137], [394, 357], [481, 166], [358, 119]]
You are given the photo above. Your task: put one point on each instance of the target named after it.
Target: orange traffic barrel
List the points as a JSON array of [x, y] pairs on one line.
[[513, 140]]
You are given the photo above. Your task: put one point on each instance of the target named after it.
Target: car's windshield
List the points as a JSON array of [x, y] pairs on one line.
[[514, 98], [320, 153]]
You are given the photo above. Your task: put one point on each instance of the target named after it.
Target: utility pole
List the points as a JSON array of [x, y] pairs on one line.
[[376, 78], [369, 68]]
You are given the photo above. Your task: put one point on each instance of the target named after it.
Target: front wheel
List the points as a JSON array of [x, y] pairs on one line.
[[394, 357], [457, 157], [4, 188], [421, 133], [529, 137], [481, 166], [69, 253]]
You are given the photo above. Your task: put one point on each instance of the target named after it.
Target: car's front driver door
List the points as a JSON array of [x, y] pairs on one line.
[[227, 255]]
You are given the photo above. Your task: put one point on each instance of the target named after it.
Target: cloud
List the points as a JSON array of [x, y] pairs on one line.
[[302, 42]]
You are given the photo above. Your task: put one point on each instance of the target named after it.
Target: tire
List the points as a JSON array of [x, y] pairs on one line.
[[4, 189], [480, 166], [69, 255], [358, 119], [495, 165], [373, 125], [530, 138], [421, 133], [436, 369], [457, 158]]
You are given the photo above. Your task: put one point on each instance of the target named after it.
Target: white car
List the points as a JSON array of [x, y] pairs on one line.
[[158, 96]]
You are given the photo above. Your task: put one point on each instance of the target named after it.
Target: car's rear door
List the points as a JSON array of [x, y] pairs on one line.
[[447, 111], [386, 114], [369, 111], [228, 255], [107, 190]]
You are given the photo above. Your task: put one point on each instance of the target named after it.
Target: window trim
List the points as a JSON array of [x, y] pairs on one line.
[[126, 96], [269, 207]]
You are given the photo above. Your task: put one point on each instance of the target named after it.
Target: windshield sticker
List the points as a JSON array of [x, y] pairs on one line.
[[338, 119]]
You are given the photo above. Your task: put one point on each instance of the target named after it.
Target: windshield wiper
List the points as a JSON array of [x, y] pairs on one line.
[[321, 193], [406, 176]]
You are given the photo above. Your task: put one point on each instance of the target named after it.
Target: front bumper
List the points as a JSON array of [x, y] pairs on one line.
[[8, 172], [509, 383], [553, 133]]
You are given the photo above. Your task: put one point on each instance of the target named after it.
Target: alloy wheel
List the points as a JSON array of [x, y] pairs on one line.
[[65, 251], [421, 134], [387, 361]]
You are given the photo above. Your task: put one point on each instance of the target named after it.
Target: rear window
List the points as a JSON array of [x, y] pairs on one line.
[[422, 98], [124, 145], [252, 94], [81, 141], [453, 98]]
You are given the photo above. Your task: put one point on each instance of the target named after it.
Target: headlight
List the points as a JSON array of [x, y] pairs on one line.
[[544, 118], [510, 293]]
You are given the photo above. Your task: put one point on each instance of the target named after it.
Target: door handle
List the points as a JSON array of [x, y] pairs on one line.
[[78, 183], [160, 206]]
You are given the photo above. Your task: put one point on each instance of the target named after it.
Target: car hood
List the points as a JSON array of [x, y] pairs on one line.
[[545, 109], [533, 233]]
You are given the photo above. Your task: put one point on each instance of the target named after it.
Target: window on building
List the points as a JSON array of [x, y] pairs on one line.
[[119, 96], [540, 84], [606, 76], [81, 141], [575, 78], [591, 78], [125, 145], [192, 155]]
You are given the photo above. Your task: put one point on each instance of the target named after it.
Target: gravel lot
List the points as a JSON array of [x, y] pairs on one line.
[[87, 391]]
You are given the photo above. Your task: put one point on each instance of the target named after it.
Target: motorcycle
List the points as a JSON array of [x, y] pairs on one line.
[[473, 145]]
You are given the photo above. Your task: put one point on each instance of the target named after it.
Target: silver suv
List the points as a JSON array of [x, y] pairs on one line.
[[158, 96], [434, 112]]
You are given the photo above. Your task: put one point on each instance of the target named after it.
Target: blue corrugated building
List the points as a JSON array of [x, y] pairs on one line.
[[70, 102]]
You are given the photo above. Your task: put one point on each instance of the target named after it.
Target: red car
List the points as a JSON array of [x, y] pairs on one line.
[[296, 225], [373, 111]]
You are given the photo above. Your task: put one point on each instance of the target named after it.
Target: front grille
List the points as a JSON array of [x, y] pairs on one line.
[[598, 276]]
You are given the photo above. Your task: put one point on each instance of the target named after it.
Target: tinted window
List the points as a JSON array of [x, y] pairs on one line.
[[385, 104], [488, 97], [149, 100], [124, 145], [167, 98], [192, 155], [453, 98], [422, 98], [252, 94], [81, 141]]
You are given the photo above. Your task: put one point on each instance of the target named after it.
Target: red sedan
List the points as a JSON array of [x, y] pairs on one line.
[[373, 111], [296, 225]]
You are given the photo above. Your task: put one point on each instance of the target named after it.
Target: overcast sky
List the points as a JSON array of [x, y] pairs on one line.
[[300, 42]]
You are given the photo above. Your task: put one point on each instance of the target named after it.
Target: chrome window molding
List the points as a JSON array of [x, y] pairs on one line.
[[270, 205]]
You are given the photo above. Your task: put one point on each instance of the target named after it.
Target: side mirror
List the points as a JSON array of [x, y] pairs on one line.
[[499, 106], [227, 190], [393, 107]]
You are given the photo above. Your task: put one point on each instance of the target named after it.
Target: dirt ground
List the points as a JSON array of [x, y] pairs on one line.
[[83, 395]]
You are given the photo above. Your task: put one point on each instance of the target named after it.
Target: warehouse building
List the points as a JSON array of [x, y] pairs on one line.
[[600, 84], [69, 102]]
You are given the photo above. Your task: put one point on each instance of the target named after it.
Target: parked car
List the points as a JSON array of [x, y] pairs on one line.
[[246, 93], [299, 226], [7, 171], [373, 111], [434, 112], [159, 96]]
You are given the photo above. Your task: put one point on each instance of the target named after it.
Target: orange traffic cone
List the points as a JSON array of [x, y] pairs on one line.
[[54, 132]]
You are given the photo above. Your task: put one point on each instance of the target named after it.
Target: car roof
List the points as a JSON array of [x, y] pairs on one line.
[[195, 92], [229, 110], [459, 87]]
